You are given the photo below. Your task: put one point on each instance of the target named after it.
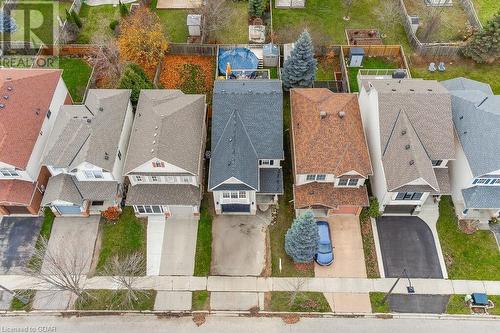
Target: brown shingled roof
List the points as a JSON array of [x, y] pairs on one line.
[[329, 144], [25, 97], [325, 194]]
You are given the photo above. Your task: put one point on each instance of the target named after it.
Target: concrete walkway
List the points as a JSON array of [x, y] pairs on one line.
[[155, 235], [261, 284]]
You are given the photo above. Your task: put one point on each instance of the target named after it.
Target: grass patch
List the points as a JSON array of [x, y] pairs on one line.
[[174, 22], [17, 305], [45, 230], [467, 257], [76, 75], [488, 73], [456, 305], [201, 300], [123, 237], [96, 20], [485, 9], [368, 63], [304, 302], [237, 31], [324, 70], [376, 302], [203, 256], [105, 299], [369, 250], [285, 214]]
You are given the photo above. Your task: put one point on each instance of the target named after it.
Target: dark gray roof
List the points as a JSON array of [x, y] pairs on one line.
[[169, 125], [89, 132], [482, 197], [163, 194], [247, 125], [65, 187], [476, 116], [271, 180]]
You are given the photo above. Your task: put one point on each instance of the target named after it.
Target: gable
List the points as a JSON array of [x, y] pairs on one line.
[[164, 167]]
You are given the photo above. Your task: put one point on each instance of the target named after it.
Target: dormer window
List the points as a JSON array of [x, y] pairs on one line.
[[318, 178], [93, 174], [348, 182], [158, 164], [266, 162], [9, 173], [436, 163]]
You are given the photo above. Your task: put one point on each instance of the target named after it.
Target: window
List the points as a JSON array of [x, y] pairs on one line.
[[320, 177], [310, 177], [97, 203], [481, 181], [138, 179], [234, 195], [148, 209], [353, 182], [186, 179], [97, 174], [156, 209], [347, 182], [242, 194], [409, 195], [154, 179], [343, 182], [119, 155], [437, 163], [315, 177], [140, 209], [9, 173], [226, 195], [158, 164], [49, 114], [266, 162], [170, 179]]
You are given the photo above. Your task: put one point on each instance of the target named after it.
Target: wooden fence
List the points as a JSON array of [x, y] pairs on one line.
[[193, 49], [468, 7]]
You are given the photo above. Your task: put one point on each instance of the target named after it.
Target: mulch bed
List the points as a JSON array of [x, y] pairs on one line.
[[468, 226], [172, 65]]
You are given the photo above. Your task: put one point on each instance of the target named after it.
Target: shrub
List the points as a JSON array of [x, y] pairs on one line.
[[114, 24], [76, 19], [123, 9], [484, 45], [134, 77], [111, 213], [374, 209]]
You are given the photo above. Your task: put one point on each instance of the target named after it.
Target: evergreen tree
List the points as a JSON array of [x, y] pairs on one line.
[[299, 70], [133, 77], [76, 19], [7, 23], [485, 44], [69, 17], [301, 240], [123, 9], [256, 7]]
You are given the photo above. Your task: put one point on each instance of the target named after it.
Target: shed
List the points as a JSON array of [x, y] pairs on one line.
[[287, 50], [193, 22], [356, 55], [270, 54]]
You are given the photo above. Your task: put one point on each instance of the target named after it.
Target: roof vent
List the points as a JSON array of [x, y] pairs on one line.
[[230, 139], [403, 132], [6, 97], [9, 88], [154, 142], [412, 162], [37, 112], [9, 78], [429, 89], [2, 106], [156, 127], [89, 120], [393, 89], [101, 108], [461, 117], [341, 114], [465, 132], [152, 150], [106, 157], [155, 135], [411, 89], [407, 147], [322, 114]]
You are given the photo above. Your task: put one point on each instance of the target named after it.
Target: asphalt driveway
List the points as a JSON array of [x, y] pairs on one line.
[[238, 245], [418, 303], [406, 242], [18, 236]]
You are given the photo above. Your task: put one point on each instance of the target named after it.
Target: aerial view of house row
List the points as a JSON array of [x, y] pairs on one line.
[[168, 164]]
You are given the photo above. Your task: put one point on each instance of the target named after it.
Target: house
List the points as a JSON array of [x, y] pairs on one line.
[[29, 103], [247, 145], [85, 153], [475, 174], [164, 164], [330, 153], [410, 138]]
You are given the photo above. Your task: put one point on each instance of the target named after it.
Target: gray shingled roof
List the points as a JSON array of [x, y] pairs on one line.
[[163, 194], [421, 109], [482, 197], [67, 188], [168, 125], [247, 125], [271, 180], [476, 116], [89, 132]]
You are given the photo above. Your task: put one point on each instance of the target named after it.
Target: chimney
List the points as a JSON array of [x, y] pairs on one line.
[[322, 114], [341, 114]]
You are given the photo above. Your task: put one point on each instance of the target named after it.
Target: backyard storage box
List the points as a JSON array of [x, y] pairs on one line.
[[194, 25], [356, 55], [287, 50], [271, 54]]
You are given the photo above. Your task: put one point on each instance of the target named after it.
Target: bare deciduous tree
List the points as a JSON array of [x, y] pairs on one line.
[[348, 6], [106, 60], [215, 15], [297, 285], [432, 21], [388, 13], [125, 273], [69, 33]]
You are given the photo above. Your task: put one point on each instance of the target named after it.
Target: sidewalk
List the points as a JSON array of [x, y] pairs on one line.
[[261, 284]]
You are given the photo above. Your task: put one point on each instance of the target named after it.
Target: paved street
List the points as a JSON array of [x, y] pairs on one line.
[[222, 324]]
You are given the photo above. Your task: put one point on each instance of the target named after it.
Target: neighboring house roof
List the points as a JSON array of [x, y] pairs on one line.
[[415, 128], [247, 125], [271, 181], [330, 144], [326, 195], [163, 194], [482, 197], [16, 192], [476, 116], [26, 95], [168, 125], [65, 187], [89, 132]]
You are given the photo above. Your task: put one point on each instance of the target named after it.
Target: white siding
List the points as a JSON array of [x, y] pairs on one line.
[[148, 168], [123, 144], [80, 174], [460, 173]]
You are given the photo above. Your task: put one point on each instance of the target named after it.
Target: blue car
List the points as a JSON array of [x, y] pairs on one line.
[[324, 257]]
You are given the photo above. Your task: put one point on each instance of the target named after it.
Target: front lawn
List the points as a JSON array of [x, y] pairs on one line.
[[28, 295], [201, 300], [457, 305], [376, 302], [122, 238], [96, 20], [369, 63], [174, 22], [76, 75], [467, 257], [285, 214], [203, 255], [105, 299], [485, 9], [304, 302], [488, 73]]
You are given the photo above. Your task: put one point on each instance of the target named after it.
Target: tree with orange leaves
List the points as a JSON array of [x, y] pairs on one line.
[[142, 39]]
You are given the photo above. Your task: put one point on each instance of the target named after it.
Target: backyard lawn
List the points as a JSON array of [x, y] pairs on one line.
[[323, 19], [174, 22], [467, 257], [369, 63], [237, 31], [485, 9], [96, 20], [105, 299], [76, 75], [488, 73], [304, 302], [123, 237]]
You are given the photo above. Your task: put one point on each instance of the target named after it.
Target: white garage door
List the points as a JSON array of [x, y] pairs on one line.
[[181, 210]]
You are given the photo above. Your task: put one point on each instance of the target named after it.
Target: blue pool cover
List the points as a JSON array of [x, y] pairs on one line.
[[239, 58]]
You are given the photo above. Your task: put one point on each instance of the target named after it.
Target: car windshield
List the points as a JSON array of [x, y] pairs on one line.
[[324, 248]]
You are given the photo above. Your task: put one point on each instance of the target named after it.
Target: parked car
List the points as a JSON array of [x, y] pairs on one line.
[[324, 257]]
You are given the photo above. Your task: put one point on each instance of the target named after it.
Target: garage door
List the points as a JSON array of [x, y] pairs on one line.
[[399, 209], [17, 209], [69, 210], [181, 211], [235, 208]]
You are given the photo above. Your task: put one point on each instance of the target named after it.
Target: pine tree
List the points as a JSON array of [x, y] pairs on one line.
[[123, 9], [485, 44], [69, 17], [299, 70], [301, 240], [76, 19], [256, 7], [133, 77], [7, 23]]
